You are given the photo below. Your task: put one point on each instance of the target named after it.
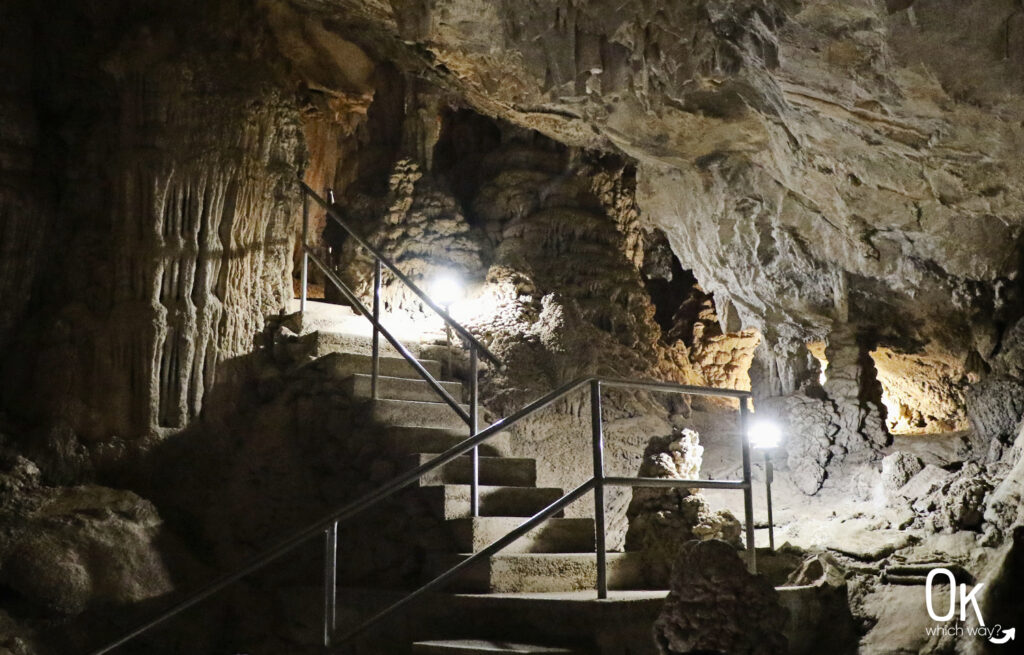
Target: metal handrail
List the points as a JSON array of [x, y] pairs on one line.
[[329, 524], [475, 347], [395, 343], [459, 329]]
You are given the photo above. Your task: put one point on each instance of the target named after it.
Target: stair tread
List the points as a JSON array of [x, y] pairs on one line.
[[415, 440], [391, 378], [421, 403], [468, 646], [513, 522], [490, 488], [417, 413], [398, 388], [555, 535], [539, 572], [345, 363], [494, 470], [452, 500]]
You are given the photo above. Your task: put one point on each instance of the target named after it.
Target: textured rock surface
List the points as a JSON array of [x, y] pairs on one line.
[[716, 606], [995, 406], [898, 468], [819, 613], [176, 218], [66, 549], [661, 519], [25, 205]]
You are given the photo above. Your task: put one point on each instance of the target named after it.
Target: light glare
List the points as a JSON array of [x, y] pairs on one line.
[[446, 289], [764, 434]]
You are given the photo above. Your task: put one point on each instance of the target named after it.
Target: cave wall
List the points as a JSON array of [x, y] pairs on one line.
[[25, 206], [178, 150], [812, 162]]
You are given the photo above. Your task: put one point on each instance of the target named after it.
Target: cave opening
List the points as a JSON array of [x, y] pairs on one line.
[[677, 298]]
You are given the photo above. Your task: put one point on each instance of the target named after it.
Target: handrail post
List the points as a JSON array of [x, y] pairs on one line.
[[305, 254], [474, 401], [330, 582], [376, 330], [768, 479], [748, 490], [597, 430]]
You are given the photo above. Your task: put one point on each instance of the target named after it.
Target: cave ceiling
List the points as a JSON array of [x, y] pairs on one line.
[[812, 162]]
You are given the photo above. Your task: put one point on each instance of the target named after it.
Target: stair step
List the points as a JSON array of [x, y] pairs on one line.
[[473, 534], [540, 572], [415, 440], [358, 342], [393, 388], [346, 364], [418, 414], [483, 647], [451, 501], [496, 471]]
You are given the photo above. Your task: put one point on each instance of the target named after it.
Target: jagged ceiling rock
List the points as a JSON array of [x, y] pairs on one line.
[[809, 160]]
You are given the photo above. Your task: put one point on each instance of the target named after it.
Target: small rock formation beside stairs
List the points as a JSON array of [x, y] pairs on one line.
[[661, 519], [716, 606]]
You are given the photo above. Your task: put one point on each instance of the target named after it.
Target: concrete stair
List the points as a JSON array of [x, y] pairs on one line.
[[556, 557], [451, 501], [541, 572], [484, 647], [560, 535], [416, 414], [399, 388], [411, 440], [494, 471], [345, 364]]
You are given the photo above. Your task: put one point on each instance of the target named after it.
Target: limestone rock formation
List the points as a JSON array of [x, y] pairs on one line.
[[995, 406], [66, 549], [898, 468], [420, 228], [661, 519], [178, 216], [716, 606]]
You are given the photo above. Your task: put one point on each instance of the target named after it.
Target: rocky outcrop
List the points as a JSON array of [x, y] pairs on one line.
[[799, 202], [67, 549], [661, 519], [418, 226], [995, 407], [716, 606]]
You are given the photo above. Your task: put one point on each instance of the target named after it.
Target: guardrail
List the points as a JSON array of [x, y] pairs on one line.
[[476, 349], [328, 525]]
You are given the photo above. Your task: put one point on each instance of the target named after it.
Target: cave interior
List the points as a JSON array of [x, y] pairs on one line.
[[812, 210]]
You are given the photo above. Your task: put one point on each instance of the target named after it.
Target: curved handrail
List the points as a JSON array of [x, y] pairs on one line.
[[459, 329], [389, 489]]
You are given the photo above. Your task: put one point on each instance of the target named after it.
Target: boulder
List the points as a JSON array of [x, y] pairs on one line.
[[819, 613], [961, 503], [716, 606], [66, 549], [924, 482], [898, 468]]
